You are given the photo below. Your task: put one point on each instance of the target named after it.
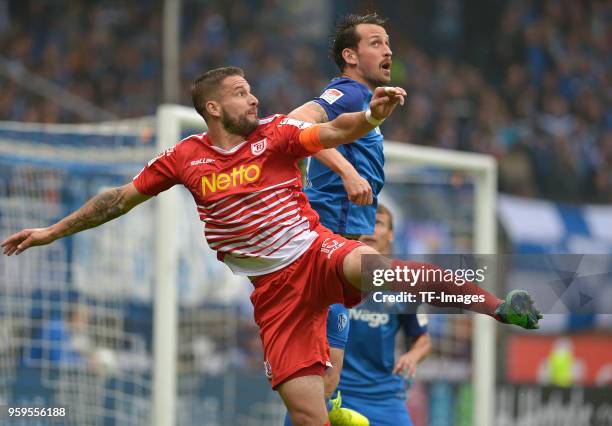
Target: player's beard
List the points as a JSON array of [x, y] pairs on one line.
[[242, 126], [377, 81]]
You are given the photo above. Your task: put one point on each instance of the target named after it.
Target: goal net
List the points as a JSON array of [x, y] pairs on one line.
[[443, 204], [75, 316], [136, 322]]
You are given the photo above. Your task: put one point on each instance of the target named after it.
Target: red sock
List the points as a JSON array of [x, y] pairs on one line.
[[485, 305], [327, 424]]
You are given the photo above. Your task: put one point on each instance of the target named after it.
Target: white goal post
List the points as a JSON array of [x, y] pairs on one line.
[[171, 119]]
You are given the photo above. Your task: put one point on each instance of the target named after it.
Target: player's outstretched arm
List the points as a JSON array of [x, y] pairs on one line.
[[311, 112], [350, 126], [357, 188], [105, 206]]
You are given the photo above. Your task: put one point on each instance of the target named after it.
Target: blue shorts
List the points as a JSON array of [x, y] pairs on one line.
[[380, 412], [338, 325]]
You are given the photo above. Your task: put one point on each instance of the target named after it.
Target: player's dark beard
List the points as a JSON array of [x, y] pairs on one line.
[[242, 126], [377, 82]]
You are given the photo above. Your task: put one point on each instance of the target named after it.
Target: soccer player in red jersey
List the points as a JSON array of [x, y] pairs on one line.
[[244, 178]]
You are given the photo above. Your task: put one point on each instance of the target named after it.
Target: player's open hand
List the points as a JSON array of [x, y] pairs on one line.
[[358, 189], [26, 238], [384, 101], [406, 365]]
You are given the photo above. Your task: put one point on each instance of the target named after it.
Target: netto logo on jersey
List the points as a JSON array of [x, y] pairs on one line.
[[223, 181], [373, 319]]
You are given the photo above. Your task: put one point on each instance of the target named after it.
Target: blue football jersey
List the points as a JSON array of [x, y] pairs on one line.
[[369, 355], [324, 187]]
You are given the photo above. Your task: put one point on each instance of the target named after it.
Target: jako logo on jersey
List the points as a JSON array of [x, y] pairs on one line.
[[223, 181], [331, 95], [268, 369], [258, 147], [373, 319], [330, 247], [342, 321]]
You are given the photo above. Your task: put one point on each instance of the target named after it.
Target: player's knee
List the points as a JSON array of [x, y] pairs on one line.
[[352, 264], [303, 397], [303, 416], [307, 413]]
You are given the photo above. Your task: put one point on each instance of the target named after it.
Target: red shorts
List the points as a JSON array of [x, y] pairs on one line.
[[291, 307]]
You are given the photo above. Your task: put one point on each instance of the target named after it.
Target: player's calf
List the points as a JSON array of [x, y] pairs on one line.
[[518, 308]]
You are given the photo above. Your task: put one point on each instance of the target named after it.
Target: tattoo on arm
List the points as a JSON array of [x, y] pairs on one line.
[[319, 111], [98, 210]]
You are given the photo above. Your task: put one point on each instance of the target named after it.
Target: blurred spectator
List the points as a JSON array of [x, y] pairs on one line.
[[63, 342], [526, 81]]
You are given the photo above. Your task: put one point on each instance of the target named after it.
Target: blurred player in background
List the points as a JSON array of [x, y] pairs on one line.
[[246, 184], [371, 381]]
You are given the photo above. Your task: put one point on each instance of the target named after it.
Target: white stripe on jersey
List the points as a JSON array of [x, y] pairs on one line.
[[282, 240], [214, 231], [228, 151], [277, 244], [242, 218], [259, 240], [239, 198], [262, 230], [258, 201], [262, 210]]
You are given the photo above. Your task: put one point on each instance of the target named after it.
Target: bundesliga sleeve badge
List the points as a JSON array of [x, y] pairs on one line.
[[331, 95]]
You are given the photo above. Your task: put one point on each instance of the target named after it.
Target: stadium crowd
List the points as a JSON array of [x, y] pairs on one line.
[[526, 81]]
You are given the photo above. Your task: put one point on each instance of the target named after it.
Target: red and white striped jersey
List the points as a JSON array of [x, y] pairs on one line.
[[250, 198]]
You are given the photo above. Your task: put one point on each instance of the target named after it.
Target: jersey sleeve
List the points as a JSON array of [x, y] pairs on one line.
[[337, 326], [289, 138], [160, 174], [414, 325], [341, 98]]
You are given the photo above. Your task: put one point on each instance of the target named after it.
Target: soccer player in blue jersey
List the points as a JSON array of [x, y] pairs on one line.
[[372, 381], [344, 183]]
